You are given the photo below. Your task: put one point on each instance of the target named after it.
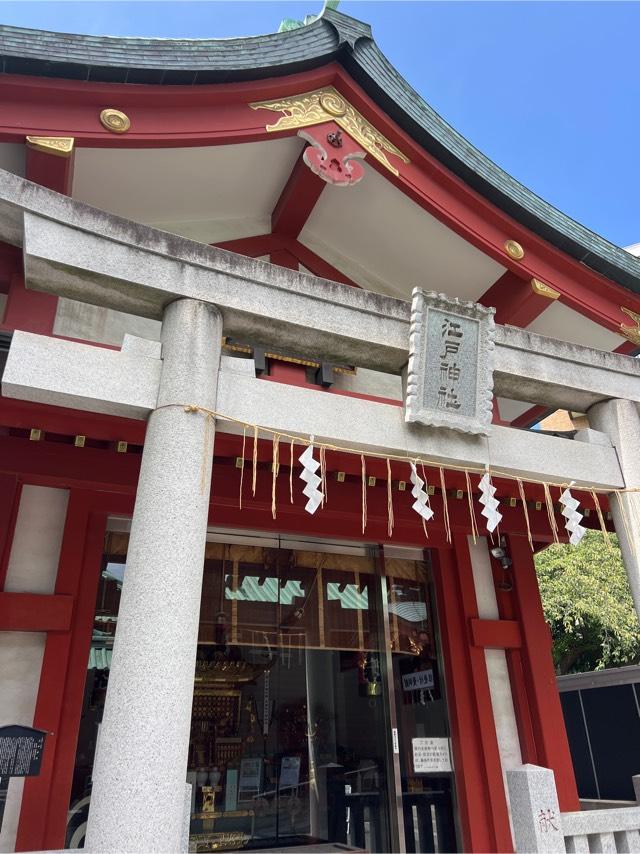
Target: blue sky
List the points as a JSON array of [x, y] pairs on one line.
[[550, 91]]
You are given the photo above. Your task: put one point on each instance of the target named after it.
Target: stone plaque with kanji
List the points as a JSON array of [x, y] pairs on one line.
[[450, 370]]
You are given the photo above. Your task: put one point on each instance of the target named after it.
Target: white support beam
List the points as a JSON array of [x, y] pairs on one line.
[[80, 376], [89, 255]]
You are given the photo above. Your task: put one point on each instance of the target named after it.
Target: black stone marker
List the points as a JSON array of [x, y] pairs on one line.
[[20, 756]]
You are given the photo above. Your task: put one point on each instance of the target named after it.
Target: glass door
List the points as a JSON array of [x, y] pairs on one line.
[[289, 724], [309, 655], [424, 744]]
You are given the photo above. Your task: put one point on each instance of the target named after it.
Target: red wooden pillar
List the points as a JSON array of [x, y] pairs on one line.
[[45, 801], [10, 492], [34, 311], [543, 699], [484, 814]]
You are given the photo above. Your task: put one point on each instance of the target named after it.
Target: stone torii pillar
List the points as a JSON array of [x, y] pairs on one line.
[[137, 801], [620, 420]]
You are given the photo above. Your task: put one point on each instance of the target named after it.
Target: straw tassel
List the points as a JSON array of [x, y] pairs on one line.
[[255, 460], [275, 465], [551, 513], [447, 526], [525, 510], [244, 440], [390, 519], [472, 512], [364, 492]]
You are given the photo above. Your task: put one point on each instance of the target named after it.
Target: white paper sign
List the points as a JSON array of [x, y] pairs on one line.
[[289, 772], [431, 755], [421, 679]]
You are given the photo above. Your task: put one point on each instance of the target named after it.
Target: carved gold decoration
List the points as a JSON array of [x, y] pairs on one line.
[[61, 146], [325, 105], [513, 249], [543, 290], [631, 333], [115, 121]]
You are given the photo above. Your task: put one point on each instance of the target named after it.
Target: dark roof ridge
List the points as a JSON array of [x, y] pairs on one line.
[[332, 36]]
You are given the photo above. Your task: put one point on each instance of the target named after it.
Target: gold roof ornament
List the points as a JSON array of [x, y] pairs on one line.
[[326, 105], [544, 290], [631, 333], [514, 250], [115, 120], [60, 146]]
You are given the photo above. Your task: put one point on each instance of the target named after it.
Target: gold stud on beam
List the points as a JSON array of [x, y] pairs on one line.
[[115, 120], [512, 502], [340, 476], [79, 441], [239, 462], [402, 485], [459, 493], [35, 434], [371, 480], [431, 490], [514, 250], [538, 505], [121, 447], [586, 511]]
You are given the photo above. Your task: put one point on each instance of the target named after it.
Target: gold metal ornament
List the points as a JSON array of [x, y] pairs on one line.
[[543, 290], [631, 333], [61, 146], [115, 120], [514, 250], [325, 105]]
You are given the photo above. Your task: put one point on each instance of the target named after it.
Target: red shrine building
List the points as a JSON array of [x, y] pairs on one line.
[[276, 346]]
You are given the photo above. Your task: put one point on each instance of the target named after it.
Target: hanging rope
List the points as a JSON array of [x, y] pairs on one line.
[[275, 466], [472, 512], [525, 510], [551, 513], [390, 518], [291, 474], [364, 492], [244, 440], [603, 526], [625, 520], [255, 460], [447, 526], [211, 415]]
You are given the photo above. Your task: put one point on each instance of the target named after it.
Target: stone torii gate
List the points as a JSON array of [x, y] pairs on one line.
[[198, 292]]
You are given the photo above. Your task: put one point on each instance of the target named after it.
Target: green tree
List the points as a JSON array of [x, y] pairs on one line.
[[587, 602]]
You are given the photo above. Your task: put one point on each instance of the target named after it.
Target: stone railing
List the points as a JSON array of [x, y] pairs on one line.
[[602, 830], [539, 826]]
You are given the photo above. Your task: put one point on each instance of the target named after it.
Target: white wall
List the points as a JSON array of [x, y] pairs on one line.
[[33, 566]]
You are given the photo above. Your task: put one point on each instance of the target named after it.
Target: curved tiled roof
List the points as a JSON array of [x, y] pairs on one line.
[[333, 37]]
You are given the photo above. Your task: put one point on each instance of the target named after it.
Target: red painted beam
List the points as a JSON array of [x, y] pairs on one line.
[[514, 300], [31, 311], [252, 247], [10, 492], [50, 170], [70, 422], [54, 107], [297, 200], [271, 244], [31, 612], [495, 634]]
